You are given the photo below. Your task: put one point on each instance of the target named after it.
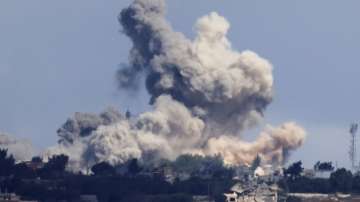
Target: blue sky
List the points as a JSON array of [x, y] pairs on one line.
[[60, 57]]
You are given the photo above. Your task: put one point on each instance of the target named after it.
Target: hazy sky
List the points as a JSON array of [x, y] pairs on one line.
[[60, 57]]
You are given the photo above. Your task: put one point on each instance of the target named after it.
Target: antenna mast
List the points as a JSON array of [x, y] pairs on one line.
[[352, 149]]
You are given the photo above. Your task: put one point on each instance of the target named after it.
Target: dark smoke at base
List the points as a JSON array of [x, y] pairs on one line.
[[204, 94]]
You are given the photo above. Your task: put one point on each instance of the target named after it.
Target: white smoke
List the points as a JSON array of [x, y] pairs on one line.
[[204, 94], [21, 149], [272, 145]]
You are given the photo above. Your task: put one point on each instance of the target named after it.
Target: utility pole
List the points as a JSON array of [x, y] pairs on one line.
[[352, 149]]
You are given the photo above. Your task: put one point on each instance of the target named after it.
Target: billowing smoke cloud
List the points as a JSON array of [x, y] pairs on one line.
[[20, 149], [204, 94], [225, 87], [83, 124], [272, 145], [75, 133]]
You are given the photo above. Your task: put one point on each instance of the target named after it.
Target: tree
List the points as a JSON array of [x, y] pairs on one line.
[[134, 167], [323, 166], [187, 163], [22, 171], [341, 180], [57, 163], [7, 163], [128, 114], [256, 163], [36, 159], [55, 167], [356, 183], [294, 170], [103, 168]]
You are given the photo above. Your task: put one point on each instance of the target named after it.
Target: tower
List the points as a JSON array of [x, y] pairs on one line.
[[352, 149]]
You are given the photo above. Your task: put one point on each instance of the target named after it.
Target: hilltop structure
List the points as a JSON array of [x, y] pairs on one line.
[[11, 197]]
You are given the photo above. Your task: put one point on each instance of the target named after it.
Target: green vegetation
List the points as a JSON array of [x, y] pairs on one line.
[[136, 181], [340, 180], [51, 181]]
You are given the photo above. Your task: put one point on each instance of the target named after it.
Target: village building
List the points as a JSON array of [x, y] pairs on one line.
[[11, 197], [249, 193], [257, 185], [202, 199], [34, 165], [88, 198]]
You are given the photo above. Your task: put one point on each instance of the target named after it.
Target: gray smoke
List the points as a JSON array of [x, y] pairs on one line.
[[227, 88], [75, 133], [83, 124], [21, 149], [204, 94]]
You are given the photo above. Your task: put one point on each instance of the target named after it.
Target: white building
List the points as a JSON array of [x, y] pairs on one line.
[[6, 197], [258, 193]]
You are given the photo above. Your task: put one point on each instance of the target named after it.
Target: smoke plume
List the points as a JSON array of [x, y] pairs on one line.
[[20, 149], [204, 94], [74, 136]]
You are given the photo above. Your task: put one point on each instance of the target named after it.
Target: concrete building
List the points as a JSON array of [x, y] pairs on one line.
[[202, 199], [34, 165], [88, 198], [7, 197], [259, 193]]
